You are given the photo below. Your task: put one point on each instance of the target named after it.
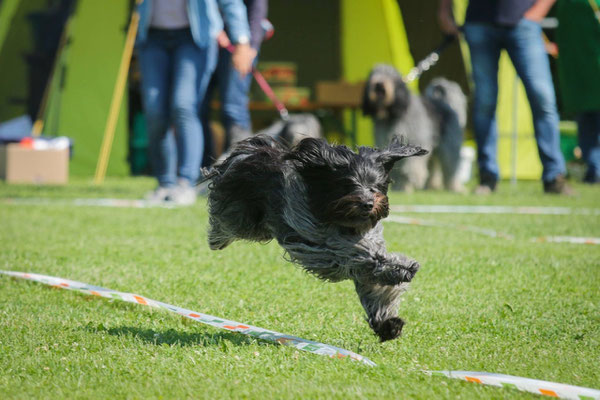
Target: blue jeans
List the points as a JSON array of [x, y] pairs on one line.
[[525, 47], [175, 75], [233, 92], [589, 141]]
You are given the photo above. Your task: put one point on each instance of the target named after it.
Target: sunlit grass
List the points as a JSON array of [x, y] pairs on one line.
[[479, 303]]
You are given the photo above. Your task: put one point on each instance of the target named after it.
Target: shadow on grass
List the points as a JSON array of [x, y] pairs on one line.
[[173, 337]]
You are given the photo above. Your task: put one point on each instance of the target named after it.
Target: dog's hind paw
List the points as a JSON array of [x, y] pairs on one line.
[[388, 329]]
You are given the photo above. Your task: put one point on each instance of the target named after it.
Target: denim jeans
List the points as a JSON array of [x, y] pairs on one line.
[[589, 141], [233, 93], [525, 47], [175, 74], [233, 90]]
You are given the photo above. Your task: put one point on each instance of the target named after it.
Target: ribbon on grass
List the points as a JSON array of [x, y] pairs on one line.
[[486, 378], [552, 389], [472, 209], [233, 326]]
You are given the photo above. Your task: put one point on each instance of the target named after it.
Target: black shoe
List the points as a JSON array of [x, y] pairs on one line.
[[558, 186], [486, 186], [591, 178]]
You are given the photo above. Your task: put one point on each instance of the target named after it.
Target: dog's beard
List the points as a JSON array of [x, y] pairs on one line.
[[353, 211]]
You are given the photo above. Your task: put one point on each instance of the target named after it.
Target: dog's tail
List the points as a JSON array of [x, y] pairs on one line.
[[449, 100]]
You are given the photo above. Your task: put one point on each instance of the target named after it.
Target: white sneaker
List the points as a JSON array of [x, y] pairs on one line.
[[184, 194], [158, 195]]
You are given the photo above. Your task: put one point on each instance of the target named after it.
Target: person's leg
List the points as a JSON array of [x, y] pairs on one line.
[[526, 49], [209, 150], [155, 68], [589, 141], [485, 46], [192, 70], [234, 100]]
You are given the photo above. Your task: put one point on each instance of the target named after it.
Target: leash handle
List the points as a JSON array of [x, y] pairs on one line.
[[429, 61]]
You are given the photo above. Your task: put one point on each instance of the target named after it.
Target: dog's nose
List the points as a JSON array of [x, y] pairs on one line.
[[367, 205]]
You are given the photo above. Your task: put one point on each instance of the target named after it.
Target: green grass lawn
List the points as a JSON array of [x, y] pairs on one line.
[[478, 303]]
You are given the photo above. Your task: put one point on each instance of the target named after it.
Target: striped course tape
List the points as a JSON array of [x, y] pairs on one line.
[[486, 378], [249, 330], [490, 232], [552, 389], [469, 209]]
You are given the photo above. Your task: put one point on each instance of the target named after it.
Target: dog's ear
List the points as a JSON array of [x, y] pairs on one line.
[[313, 153], [397, 151]]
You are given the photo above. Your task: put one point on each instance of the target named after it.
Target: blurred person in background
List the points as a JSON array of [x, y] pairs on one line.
[[233, 88], [513, 25], [177, 52], [578, 39]]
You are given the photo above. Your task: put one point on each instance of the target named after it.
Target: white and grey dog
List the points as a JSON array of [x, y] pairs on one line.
[[296, 128], [434, 121]]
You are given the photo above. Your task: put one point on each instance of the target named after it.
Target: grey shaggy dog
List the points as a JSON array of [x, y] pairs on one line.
[[323, 204], [289, 133], [434, 121]]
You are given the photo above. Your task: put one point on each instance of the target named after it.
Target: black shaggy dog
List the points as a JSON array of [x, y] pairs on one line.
[[323, 204]]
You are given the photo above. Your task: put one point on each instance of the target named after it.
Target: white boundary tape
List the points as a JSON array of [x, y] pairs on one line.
[[552, 389], [249, 330], [416, 208], [399, 219], [420, 222], [568, 239], [468, 209], [118, 203]]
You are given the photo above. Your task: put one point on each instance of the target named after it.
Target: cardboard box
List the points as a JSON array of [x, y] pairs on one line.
[[339, 93], [291, 95], [279, 73], [25, 165]]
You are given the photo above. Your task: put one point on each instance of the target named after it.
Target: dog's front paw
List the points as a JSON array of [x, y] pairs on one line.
[[396, 269], [388, 329], [412, 266]]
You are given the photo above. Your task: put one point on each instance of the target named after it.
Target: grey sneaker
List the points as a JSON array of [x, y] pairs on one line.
[[184, 194], [158, 195], [558, 185]]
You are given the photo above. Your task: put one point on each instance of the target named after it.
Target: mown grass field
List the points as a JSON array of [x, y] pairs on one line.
[[478, 303]]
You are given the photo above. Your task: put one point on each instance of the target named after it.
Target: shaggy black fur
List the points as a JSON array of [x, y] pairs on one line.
[[323, 204]]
